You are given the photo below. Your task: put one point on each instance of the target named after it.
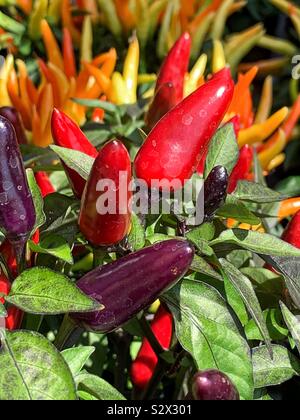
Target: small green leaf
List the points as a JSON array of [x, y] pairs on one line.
[[236, 302], [274, 321], [195, 236], [237, 210], [95, 103], [11, 25], [273, 371], [289, 186], [53, 245], [206, 330], [245, 289], [256, 193], [260, 243], [78, 161], [3, 312], [98, 388], [45, 292], [293, 324], [37, 199], [77, 358], [136, 238], [33, 369], [223, 150], [199, 265]]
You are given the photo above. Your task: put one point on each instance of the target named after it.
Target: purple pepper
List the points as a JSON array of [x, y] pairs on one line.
[[17, 212], [213, 385], [134, 282], [12, 115]]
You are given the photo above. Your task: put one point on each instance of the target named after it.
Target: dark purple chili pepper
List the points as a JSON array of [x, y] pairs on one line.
[[215, 190], [134, 282], [213, 385], [17, 212], [12, 115]]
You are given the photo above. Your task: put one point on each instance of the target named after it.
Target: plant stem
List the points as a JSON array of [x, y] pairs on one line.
[[156, 346], [99, 254], [19, 247], [68, 334]]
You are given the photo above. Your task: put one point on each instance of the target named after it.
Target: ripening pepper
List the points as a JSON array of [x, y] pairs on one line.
[[44, 184], [242, 168], [102, 226], [215, 191], [67, 134], [213, 385], [164, 100], [132, 283], [146, 361], [17, 211], [292, 232], [175, 146], [169, 90], [12, 115]]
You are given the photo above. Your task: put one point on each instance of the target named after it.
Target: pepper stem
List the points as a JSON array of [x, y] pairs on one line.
[[19, 247], [68, 335], [156, 346]]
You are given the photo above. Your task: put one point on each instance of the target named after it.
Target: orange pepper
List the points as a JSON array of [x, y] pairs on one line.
[[50, 79], [68, 21], [193, 26], [292, 119], [68, 54], [25, 5], [13, 91], [51, 45], [289, 208], [102, 80], [125, 15], [32, 91]]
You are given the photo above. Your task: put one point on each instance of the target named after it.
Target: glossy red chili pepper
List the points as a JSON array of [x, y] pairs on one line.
[[12, 115], [242, 168], [4, 286], [44, 184], [236, 121], [163, 101], [102, 226], [8, 254], [213, 385], [292, 232], [67, 134], [175, 146], [14, 318], [132, 283], [145, 364], [17, 211], [175, 66]]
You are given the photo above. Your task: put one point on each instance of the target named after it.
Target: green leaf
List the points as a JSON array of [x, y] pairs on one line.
[[290, 269], [245, 289], [37, 199], [256, 193], [206, 330], [95, 103], [260, 243], [223, 150], [273, 371], [237, 210], [3, 312], [204, 232], [78, 161], [53, 245], [33, 369], [293, 324], [289, 186], [45, 292], [77, 357], [199, 265], [236, 302], [275, 326], [196, 237], [137, 237], [11, 25], [98, 388]]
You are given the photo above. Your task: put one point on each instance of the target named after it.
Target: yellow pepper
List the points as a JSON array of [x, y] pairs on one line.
[[193, 78], [86, 52], [277, 161], [219, 59], [4, 74], [131, 70], [220, 19], [118, 93], [260, 132], [146, 78], [54, 10], [111, 17], [273, 147], [36, 17], [266, 101]]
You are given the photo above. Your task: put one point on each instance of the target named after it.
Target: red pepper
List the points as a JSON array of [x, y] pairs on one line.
[[175, 66], [163, 101], [145, 364], [4, 286], [242, 168], [108, 228], [292, 232], [175, 146], [14, 318], [44, 184], [67, 134], [169, 89]]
